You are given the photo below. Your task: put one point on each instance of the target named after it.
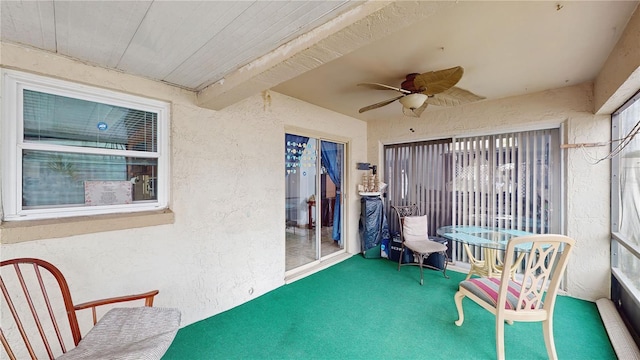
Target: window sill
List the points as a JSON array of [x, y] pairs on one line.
[[12, 232]]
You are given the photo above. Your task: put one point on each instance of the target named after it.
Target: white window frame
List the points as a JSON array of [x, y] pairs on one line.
[[13, 82]]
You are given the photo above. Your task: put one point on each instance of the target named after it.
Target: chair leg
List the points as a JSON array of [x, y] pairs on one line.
[[401, 255], [547, 330], [421, 260], [500, 338], [446, 260], [458, 299]]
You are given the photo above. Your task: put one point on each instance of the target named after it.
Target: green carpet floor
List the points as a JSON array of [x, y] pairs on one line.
[[366, 309]]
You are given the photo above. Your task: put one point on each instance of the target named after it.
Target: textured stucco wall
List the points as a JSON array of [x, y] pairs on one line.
[[226, 245], [587, 186]]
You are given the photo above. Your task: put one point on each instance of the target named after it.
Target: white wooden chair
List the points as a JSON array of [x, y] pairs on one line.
[[522, 301]]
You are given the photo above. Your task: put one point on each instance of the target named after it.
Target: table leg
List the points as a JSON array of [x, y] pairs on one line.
[[477, 266], [491, 257], [514, 266], [491, 266]]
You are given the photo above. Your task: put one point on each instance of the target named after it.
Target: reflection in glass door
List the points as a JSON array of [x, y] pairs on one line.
[[313, 214]]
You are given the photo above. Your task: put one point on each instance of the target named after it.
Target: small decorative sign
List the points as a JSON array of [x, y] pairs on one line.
[[107, 193], [299, 155]]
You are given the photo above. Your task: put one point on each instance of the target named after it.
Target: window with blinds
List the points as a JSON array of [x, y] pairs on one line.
[[418, 174], [74, 150], [508, 180]]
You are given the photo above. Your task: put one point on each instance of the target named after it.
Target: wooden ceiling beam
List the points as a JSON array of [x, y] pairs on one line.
[[360, 26]]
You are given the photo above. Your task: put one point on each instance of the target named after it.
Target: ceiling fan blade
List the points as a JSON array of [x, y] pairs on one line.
[[380, 104], [378, 86], [453, 96], [438, 81]]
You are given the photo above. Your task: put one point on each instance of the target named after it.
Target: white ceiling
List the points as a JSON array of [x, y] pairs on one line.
[[187, 43], [318, 51]]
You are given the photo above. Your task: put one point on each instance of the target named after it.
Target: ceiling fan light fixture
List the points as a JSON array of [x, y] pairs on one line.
[[413, 101]]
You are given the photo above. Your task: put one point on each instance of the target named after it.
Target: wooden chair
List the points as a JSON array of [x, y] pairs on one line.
[[415, 237], [522, 301], [44, 323]]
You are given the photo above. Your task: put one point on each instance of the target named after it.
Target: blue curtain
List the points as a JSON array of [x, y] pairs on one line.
[[332, 161]]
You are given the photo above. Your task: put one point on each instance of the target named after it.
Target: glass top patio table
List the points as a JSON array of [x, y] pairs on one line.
[[486, 237]]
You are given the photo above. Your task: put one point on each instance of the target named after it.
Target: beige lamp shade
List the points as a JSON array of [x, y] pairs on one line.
[[413, 101]]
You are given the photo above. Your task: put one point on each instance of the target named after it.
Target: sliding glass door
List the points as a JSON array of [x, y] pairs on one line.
[[509, 181], [313, 212]]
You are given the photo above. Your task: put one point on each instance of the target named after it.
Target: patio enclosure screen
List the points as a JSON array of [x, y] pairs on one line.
[[507, 180], [625, 211]]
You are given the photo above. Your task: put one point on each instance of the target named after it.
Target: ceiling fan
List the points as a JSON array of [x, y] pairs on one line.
[[421, 90]]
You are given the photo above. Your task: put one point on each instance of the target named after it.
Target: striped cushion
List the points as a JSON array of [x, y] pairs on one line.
[[487, 290]]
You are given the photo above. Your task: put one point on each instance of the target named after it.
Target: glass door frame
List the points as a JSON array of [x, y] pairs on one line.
[[318, 206]]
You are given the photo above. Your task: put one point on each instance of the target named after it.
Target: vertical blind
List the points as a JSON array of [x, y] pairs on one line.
[[417, 174], [507, 180]]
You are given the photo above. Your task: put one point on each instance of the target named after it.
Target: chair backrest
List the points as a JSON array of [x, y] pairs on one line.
[[403, 211], [543, 272], [36, 298], [415, 228]]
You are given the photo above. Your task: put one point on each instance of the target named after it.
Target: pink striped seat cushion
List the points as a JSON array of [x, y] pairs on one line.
[[487, 290]]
